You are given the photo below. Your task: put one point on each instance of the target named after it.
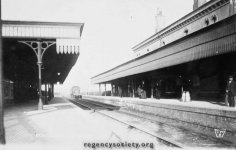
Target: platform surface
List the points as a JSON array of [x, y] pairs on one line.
[[62, 125], [207, 104]]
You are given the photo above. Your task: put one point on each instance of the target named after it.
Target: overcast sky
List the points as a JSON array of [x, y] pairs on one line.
[[112, 27]]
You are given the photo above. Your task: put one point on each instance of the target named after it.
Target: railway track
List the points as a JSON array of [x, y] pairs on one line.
[[96, 106], [195, 139]]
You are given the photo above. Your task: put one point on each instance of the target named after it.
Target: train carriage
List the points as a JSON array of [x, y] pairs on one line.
[[75, 92]]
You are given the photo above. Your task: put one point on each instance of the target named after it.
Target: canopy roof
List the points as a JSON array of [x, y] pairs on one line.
[[205, 32], [210, 41], [20, 62]]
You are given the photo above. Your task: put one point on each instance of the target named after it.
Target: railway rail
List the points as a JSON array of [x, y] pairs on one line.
[[103, 109], [101, 106]]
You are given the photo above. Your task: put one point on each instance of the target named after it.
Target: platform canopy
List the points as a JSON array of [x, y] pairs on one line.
[[220, 38], [20, 61]]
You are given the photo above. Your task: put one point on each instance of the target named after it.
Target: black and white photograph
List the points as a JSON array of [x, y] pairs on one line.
[[117, 74]]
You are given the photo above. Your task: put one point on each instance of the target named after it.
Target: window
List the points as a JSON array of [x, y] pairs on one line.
[[186, 31], [163, 43], [214, 18], [207, 21]]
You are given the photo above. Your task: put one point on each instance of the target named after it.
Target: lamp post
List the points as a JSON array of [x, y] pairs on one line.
[[39, 47]]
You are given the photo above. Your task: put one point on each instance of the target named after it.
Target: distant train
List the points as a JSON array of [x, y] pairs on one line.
[[75, 92]]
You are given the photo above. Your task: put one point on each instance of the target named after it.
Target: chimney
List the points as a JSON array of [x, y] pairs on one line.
[[198, 3], [159, 21]]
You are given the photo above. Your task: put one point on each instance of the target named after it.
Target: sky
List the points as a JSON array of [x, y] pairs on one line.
[[111, 28]]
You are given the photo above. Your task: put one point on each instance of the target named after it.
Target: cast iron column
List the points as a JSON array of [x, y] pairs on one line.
[[39, 50], [111, 89], [105, 89], [52, 90], [100, 89], [152, 86], [40, 104], [46, 94], [133, 88]]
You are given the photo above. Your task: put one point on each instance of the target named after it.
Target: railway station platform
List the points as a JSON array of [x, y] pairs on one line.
[[60, 125], [206, 117]]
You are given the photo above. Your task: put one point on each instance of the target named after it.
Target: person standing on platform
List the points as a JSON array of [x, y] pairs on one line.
[[139, 91], [143, 95], [157, 91], [231, 91]]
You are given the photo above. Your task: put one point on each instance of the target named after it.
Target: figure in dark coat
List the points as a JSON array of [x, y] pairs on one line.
[[139, 91], [157, 91], [143, 95], [231, 91]]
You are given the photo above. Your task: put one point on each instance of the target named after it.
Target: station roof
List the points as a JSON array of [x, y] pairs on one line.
[[193, 16], [216, 39], [20, 61]]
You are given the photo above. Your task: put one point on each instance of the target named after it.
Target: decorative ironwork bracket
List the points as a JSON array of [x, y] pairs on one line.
[[39, 47]]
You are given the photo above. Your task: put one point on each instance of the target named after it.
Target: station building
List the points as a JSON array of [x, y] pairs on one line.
[[195, 53]]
